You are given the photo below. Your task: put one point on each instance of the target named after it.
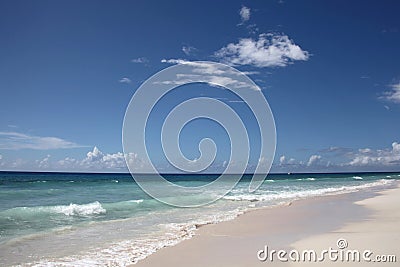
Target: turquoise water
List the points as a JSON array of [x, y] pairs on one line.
[[64, 218]]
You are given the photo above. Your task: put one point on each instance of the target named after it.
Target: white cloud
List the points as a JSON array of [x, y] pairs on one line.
[[97, 160], [283, 161], [392, 95], [314, 159], [175, 61], [270, 50], [1, 157], [140, 60], [15, 141], [380, 157], [244, 13], [125, 80], [94, 155], [188, 50], [210, 73]]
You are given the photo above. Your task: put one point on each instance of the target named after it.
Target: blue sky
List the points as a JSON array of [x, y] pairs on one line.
[[329, 70]]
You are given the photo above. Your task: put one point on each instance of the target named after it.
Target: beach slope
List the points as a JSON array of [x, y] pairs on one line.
[[364, 220]]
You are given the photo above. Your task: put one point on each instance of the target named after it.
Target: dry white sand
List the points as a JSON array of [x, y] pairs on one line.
[[378, 233]]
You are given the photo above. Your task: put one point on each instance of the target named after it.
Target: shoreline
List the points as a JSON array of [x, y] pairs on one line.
[[236, 242], [237, 230]]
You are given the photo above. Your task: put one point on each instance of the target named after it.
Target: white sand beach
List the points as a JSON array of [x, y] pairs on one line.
[[366, 221]]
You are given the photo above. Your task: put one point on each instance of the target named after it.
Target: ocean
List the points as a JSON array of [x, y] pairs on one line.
[[81, 219]]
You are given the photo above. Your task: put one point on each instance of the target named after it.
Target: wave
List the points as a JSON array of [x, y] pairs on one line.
[[90, 209], [291, 195], [82, 210], [357, 178], [127, 252], [131, 251], [93, 208], [306, 179], [136, 201]]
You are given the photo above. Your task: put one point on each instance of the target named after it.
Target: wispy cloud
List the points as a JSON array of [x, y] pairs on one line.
[[125, 80], [218, 75], [336, 151], [16, 141], [393, 95], [390, 30], [45, 162], [270, 50], [244, 13], [142, 60], [188, 50]]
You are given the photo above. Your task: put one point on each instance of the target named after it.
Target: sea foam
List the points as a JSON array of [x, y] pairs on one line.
[[93, 208], [72, 209], [304, 193]]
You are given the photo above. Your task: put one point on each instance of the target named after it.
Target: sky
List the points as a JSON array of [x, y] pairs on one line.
[[329, 70]]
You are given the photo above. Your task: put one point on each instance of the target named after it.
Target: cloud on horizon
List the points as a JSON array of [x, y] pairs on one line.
[[314, 159], [338, 159], [96, 160], [364, 159], [379, 157]]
